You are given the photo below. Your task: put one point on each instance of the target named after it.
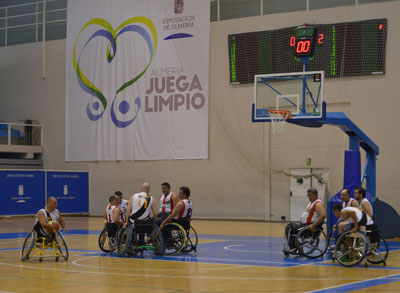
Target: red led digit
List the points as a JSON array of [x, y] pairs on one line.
[[303, 46], [292, 41], [320, 38], [299, 47], [380, 26], [306, 46]]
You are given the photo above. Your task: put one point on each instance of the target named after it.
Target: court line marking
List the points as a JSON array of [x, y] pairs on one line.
[[253, 263], [175, 276], [184, 258], [363, 284], [75, 262], [251, 251], [8, 242]]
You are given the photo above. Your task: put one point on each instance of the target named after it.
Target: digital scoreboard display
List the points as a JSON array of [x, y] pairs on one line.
[[304, 41], [339, 49]]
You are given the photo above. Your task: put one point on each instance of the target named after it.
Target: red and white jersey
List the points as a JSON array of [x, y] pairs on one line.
[[186, 211], [109, 211], [310, 215], [166, 204], [142, 199], [349, 203]]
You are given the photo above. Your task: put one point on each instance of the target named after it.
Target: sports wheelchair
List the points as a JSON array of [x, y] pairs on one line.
[[309, 243], [36, 247], [177, 237], [105, 243], [140, 236], [352, 248]]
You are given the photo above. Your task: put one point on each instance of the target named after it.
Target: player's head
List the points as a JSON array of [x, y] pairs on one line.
[[119, 194], [114, 200], [184, 192], [359, 193], [145, 187], [165, 188], [337, 208], [312, 194], [345, 195], [51, 203]]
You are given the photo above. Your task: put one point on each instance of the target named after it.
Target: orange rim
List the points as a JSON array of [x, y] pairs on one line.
[[286, 114]]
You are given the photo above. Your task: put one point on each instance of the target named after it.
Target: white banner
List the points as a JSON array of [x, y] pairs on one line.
[[137, 79]]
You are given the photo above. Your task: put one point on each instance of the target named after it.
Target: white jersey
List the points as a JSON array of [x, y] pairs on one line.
[[50, 216], [370, 205], [123, 206], [109, 212], [359, 214], [139, 200], [166, 204], [186, 211]]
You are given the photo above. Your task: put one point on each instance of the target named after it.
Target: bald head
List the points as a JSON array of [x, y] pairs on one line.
[[51, 203], [145, 187], [51, 199], [345, 195]]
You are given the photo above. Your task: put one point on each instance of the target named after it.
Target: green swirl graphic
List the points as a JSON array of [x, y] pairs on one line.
[[107, 31]]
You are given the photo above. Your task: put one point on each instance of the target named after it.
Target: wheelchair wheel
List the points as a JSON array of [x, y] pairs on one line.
[[125, 240], [119, 233], [29, 242], [378, 251], [104, 241], [191, 244], [174, 237], [61, 246], [311, 243], [351, 248], [157, 240]]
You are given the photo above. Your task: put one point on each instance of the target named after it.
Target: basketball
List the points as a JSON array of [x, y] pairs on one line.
[[55, 226]]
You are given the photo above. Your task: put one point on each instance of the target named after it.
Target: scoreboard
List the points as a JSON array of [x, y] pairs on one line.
[[339, 49]]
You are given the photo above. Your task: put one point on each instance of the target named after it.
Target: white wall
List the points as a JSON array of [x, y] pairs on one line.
[[241, 178]]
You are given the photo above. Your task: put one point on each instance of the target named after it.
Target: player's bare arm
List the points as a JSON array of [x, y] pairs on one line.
[[174, 213]]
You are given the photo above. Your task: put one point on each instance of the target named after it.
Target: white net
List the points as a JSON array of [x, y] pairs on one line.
[[278, 120]]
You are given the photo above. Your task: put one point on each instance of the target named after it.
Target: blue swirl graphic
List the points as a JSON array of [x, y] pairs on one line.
[[178, 36]]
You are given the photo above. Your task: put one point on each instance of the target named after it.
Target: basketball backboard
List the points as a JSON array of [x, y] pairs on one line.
[[299, 92]]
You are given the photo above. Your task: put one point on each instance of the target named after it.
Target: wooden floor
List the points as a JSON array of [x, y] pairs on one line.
[[232, 257]]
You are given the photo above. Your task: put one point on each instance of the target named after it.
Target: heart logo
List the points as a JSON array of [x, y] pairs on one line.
[[137, 25]]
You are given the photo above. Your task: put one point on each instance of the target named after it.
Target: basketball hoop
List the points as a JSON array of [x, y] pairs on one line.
[[278, 119]]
